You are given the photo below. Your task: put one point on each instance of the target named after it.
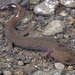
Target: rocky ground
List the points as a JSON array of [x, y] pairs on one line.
[[58, 24]]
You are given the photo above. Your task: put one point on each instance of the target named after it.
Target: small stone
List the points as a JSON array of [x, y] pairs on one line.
[[73, 12], [59, 35], [58, 18], [59, 66], [51, 66], [20, 27], [70, 68], [29, 69], [34, 1], [19, 72], [40, 18], [1, 73], [63, 72], [25, 3], [66, 36], [6, 73], [41, 73], [27, 61], [20, 63], [63, 13], [4, 65], [74, 24], [1, 42], [68, 10], [71, 22]]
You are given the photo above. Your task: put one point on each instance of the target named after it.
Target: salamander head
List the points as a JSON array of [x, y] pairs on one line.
[[64, 55]]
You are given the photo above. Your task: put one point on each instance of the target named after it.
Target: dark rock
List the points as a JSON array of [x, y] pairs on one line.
[[29, 69], [26, 3], [1, 42], [58, 18]]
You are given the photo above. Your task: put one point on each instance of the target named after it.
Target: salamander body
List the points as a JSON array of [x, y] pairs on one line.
[[36, 43]]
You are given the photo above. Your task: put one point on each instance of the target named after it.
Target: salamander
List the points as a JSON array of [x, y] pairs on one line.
[[50, 46]]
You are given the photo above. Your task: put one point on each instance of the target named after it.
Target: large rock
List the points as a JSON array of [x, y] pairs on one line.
[[47, 7], [54, 27]]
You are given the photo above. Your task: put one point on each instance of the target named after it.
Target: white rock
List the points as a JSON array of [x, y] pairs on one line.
[[47, 7], [54, 27], [68, 3], [59, 66]]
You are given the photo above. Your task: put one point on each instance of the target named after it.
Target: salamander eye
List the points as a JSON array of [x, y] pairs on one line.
[[67, 60]]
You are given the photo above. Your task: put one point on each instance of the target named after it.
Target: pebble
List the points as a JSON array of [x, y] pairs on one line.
[[1, 73], [51, 66], [25, 3], [20, 63], [1, 42], [19, 72], [66, 36], [72, 21], [28, 18], [68, 3], [54, 27], [59, 35], [58, 18], [29, 69], [63, 13], [40, 18], [59, 66], [27, 61], [4, 65], [63, 72], [7, 73], [71, 73], [68, 10], [73, 12], [74, 24], [20, 27], [56, 72], [70, 68], [34, 1], [41, 73], [47, 7]]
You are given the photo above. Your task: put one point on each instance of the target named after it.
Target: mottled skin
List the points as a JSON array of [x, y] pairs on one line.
[[36, 43]]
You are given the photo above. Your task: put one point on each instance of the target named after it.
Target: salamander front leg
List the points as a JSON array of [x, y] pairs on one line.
[[10, 47], [27, 31]]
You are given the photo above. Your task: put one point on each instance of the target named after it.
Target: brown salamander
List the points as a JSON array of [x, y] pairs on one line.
[[36, 43]]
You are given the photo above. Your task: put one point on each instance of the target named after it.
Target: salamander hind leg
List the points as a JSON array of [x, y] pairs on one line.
[[47, 54]]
